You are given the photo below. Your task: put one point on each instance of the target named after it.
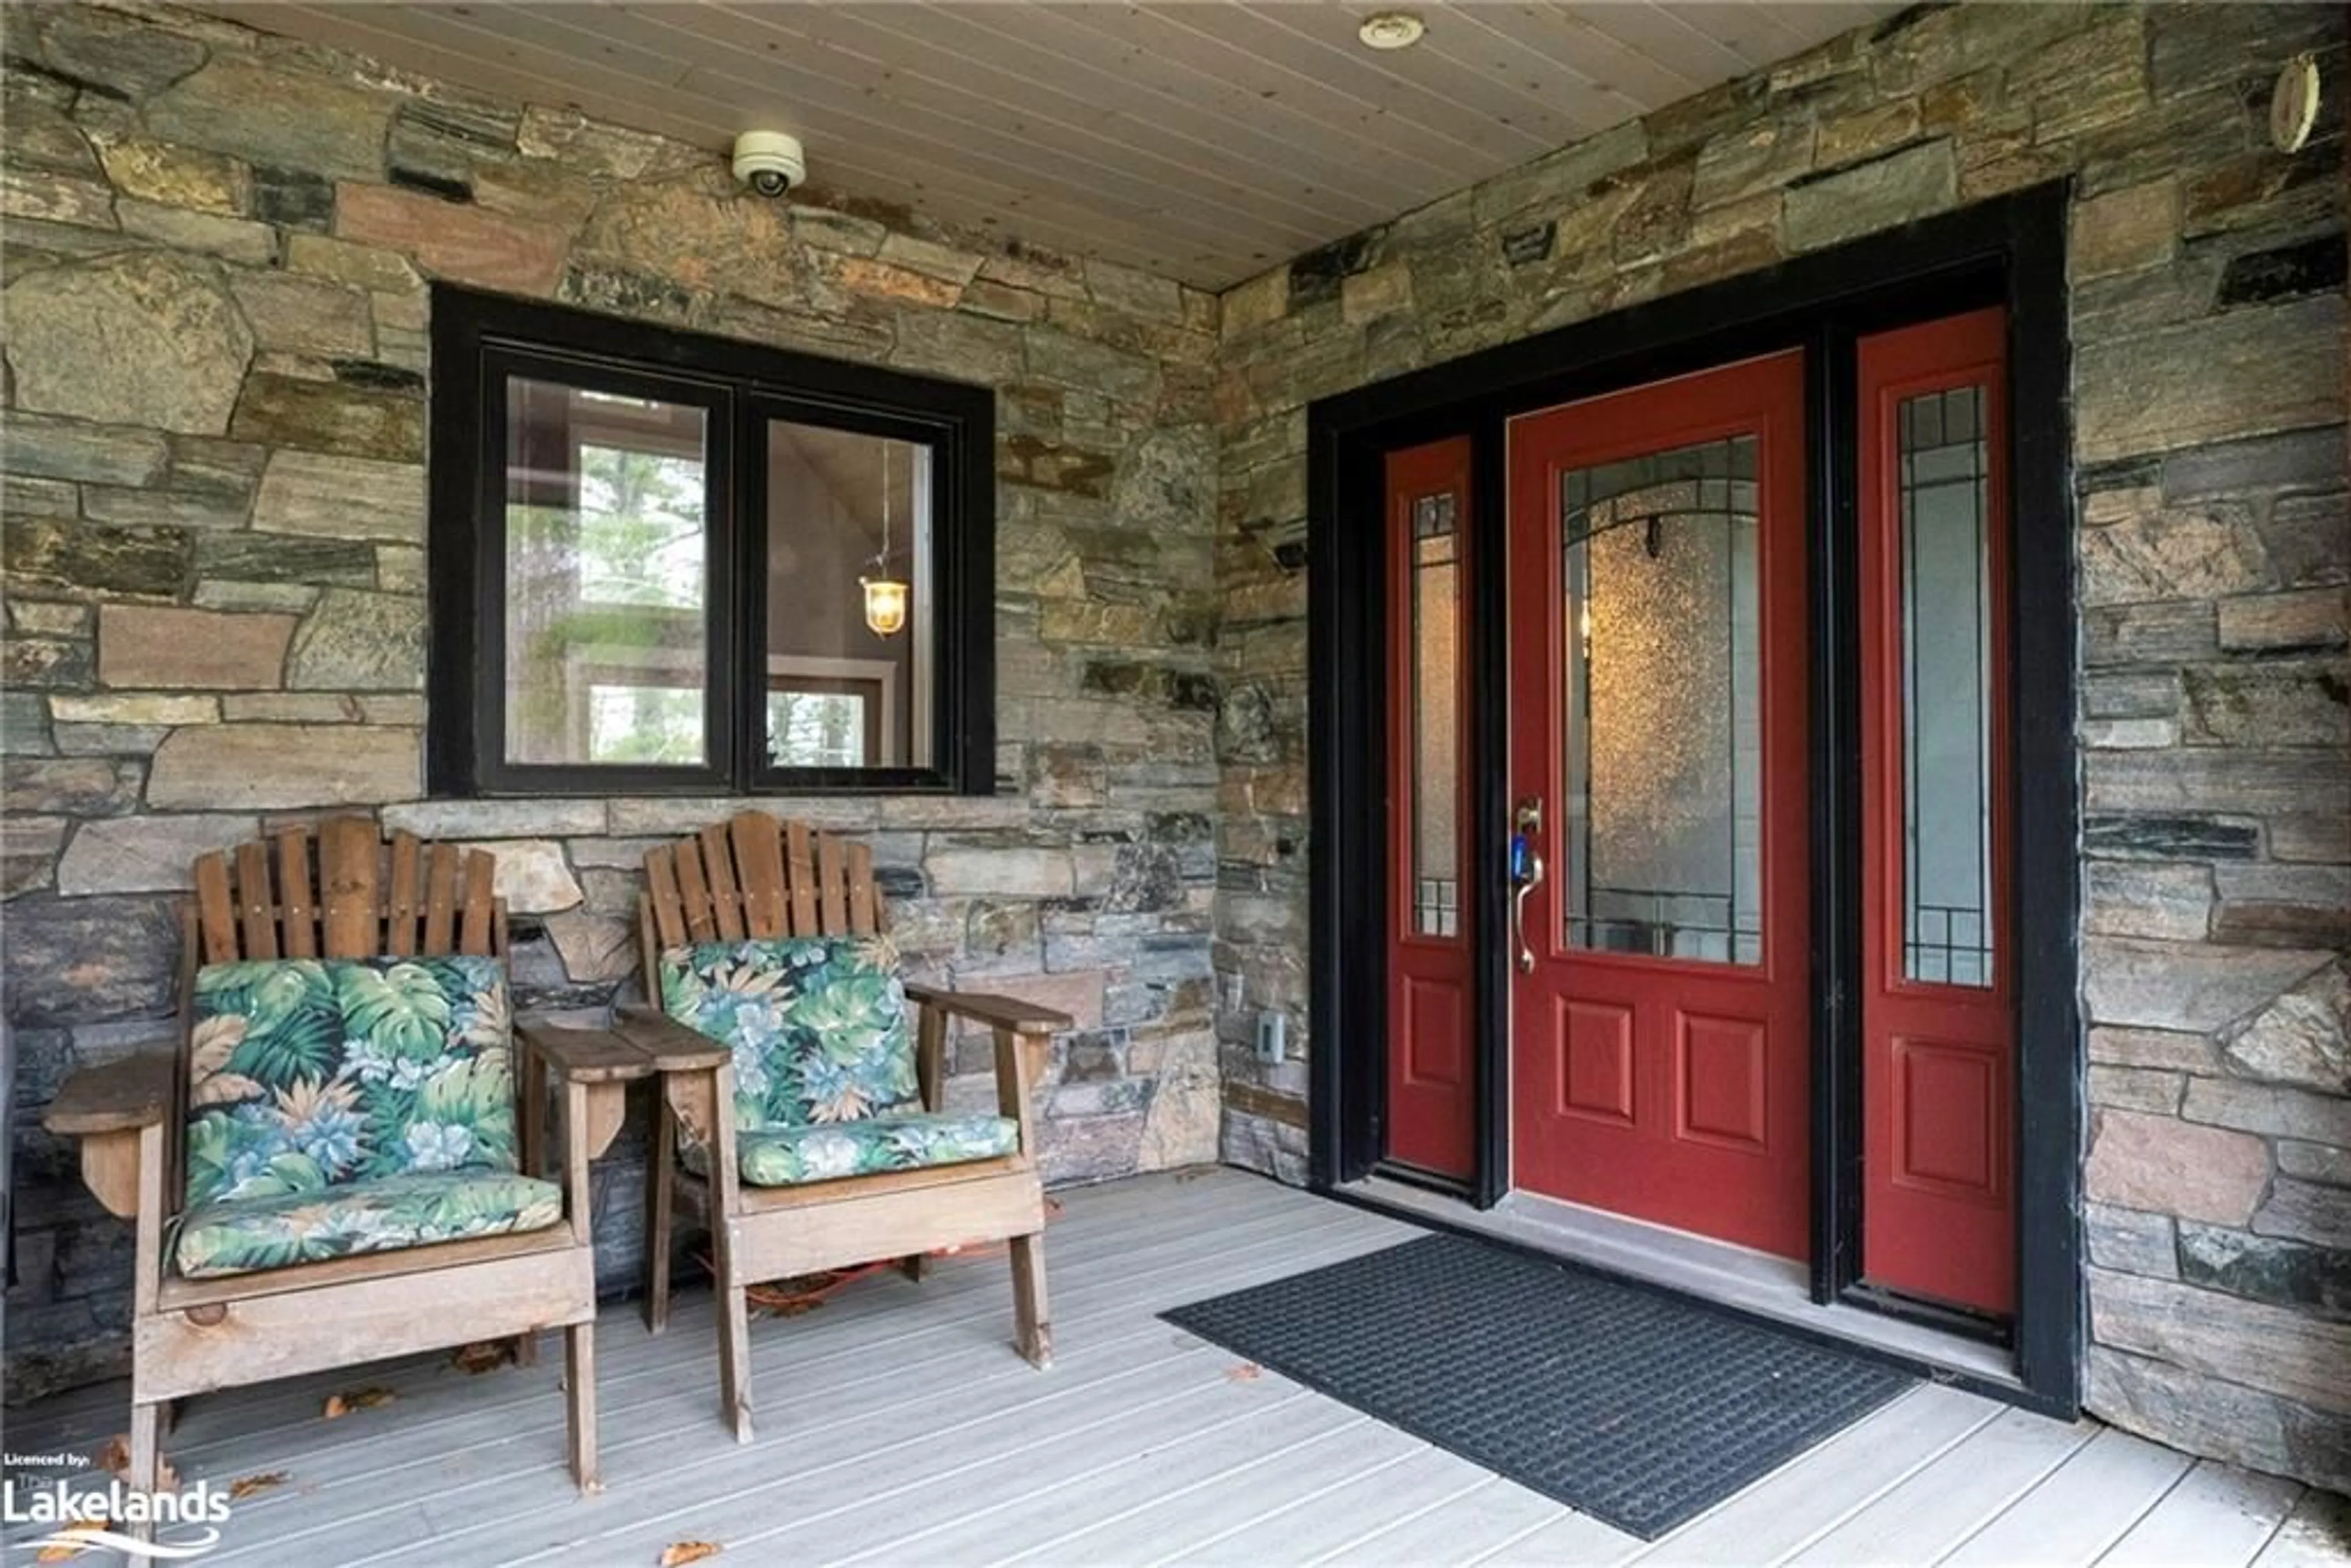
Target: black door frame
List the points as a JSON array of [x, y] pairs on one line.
[[2009, 251]]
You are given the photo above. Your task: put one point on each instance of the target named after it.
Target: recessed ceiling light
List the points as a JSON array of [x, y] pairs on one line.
[[1392, 29]]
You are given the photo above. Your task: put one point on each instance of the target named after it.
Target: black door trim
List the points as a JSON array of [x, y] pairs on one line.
[[2010, 250]]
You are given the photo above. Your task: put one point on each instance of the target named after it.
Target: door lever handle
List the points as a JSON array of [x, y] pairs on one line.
[[1526, 874]]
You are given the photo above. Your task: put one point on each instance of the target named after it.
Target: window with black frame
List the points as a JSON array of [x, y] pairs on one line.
[[667, 561]]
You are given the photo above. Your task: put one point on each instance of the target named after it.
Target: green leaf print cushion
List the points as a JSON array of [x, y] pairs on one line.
[[385, 1214], [308, 1073], [818, 1025]]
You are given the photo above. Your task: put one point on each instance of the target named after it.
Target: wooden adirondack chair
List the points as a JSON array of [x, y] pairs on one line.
[[244, 1151], [775, 1210]]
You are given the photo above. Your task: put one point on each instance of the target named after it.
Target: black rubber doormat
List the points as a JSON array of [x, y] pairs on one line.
[[1639, 1407]]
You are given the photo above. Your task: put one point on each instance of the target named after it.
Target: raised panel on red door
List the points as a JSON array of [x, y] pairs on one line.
[[1431, 1080], [1660, 1030], [1938, 1038]]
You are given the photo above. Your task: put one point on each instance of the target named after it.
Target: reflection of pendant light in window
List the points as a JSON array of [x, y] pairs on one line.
[[885, 596]]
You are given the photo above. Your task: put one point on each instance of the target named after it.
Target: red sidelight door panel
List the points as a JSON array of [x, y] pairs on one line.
[[1431, 1076], [1660, 1017], [1938, 1006]]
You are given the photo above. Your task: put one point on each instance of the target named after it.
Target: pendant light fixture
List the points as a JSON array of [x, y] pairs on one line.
[[885, 596]]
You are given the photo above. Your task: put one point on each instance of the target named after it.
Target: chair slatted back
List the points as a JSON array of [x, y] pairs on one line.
[[756, 876], [354, 897], [346, 895]]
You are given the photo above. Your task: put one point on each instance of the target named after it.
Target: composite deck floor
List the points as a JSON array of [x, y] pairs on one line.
[[896, 1426]]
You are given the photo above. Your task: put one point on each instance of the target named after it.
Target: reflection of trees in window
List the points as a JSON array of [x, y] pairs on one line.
[[816, 729], [615, 570], [639, 526], [645, 724]]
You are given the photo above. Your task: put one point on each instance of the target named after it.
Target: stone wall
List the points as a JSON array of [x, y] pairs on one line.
[[216, 252], [2207, 312]]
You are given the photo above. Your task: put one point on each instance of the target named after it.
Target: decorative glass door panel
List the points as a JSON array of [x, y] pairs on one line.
[[1943, 489], [1938, 1036], [1431, 1119], [1662, 711], [1659, 1015], [1434, 635]]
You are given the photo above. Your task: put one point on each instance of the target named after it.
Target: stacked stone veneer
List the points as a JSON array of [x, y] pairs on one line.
[[2209, 450], [216, 247], [216, 250]]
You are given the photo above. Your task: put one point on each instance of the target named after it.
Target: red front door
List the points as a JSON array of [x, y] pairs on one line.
[[1660, 1024], [1432, 1105]]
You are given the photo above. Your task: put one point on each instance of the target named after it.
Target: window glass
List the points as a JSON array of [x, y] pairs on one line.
[[850, 599], [658, 725], [818, 730], [1945, 690], [1664, 724], [1435, 703], [607, 570]]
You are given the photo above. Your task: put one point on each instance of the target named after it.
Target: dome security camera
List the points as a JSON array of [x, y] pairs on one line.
[[770, 163]]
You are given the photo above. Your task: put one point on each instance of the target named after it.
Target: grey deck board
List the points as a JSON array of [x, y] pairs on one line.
[[2317, 1534], [1812, 1494], [895, 1425], [1938, 1507], [2217, 1517], [2081, 1509], [1160, 1513], [1336, 1521], [1461, 1529], [1292, 1430]]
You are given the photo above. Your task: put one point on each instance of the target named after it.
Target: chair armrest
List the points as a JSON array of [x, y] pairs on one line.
[[998, 1012], [122, 1095], [585, 1055], [667, 1044]]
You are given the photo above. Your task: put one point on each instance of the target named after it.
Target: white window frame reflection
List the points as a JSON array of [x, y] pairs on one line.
[[879, 715]]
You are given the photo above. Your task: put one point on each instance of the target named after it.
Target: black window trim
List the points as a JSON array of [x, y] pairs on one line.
[[478, 338]]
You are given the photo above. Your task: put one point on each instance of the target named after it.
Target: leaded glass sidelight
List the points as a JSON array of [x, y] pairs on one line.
[[1663, 728], [1947, 711], [1436, 589]]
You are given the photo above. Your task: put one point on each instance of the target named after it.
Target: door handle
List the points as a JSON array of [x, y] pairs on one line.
[[1525, 875]]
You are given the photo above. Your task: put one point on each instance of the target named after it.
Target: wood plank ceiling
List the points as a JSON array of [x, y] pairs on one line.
[[1203, 140]]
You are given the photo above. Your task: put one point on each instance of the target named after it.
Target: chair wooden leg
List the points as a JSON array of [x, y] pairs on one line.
[[531, 1088], [146, 1472], [1032, 1316], [579, 1393], [735, 1357], [660, 1210]]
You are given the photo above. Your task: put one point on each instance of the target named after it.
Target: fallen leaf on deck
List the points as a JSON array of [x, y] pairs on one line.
[[483, 1356], [689, 1551], [245, 1486], [114, 1457], [356, 1399], [1245, 1372]]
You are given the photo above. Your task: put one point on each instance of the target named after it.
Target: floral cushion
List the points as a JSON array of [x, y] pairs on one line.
[[794, 1156], [818, 1025], [306, 1074], [239, 1235]]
